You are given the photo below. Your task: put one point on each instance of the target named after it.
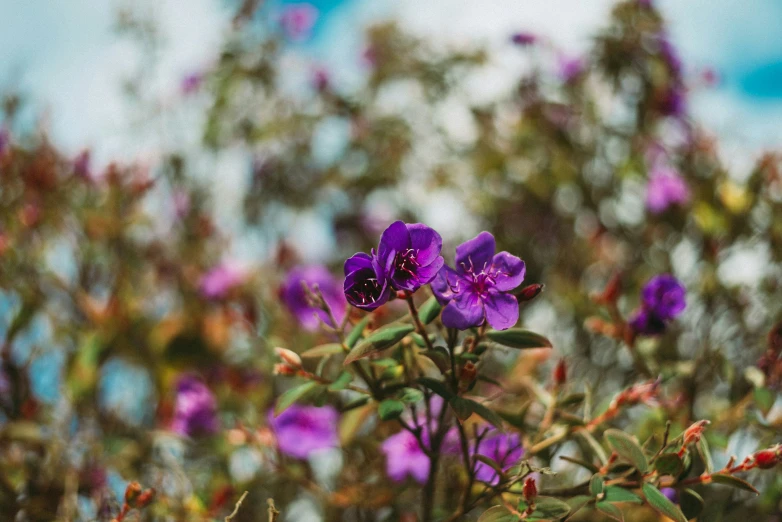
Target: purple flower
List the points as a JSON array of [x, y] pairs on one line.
[[191, 83], [302, 430], [665, 188], [195, 411], [221, 279], [673, 101], [295, 298], [662, 300], [414, 254], [404, 456], [477, 289], [298, 20], [670, 56], [524, 38], [671, 494], [407, 258], [503, 448], [570, 68]]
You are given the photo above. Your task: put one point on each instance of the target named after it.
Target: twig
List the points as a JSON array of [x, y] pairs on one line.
[[273, 512], [236, 508]]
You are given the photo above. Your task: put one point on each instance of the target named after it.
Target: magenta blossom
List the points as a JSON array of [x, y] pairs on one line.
[[195, 411], [476, 291], [295, 298], [503, 448], [220, 280], [303, 430], [571, 68], [524, 38], [297, 21], [664, 189], [662, 300]]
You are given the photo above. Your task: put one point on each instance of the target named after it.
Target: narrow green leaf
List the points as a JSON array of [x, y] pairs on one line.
[[518, 338], [322, 350], [378, 340], [661, 504], [610, 511], [669, 464], [436, 386], [488, 415], [691, 503], [410, 395], [356, 403], [461, 407], [466, 407], [584, 464], [294, 394], [594, 445], [357, 331], [390, 409], [342, 382], [617, 494], [429, 310], [596, 485], [764, 399], [439, 357], [549, 508], [570, 400], [705, 453], [490, 462], [735, 482], [497, 514], [628, 448]]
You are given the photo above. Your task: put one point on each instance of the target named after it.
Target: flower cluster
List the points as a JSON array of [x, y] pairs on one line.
[[407, 258], [195, 412], [662, 300]]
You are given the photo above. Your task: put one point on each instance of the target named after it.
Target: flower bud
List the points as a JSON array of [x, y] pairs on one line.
[[611, 291], [694, 433], [768, 458], [530, 490], [560, 373], [132, 493], [289, 357], [469, 373], [284, 369], [529, 292], [146, 498]]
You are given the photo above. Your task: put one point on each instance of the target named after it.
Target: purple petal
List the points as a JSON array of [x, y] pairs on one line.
[[463, 312], [508, 271], [502, 310], [426, 241], [444, 283], [357, 262], [475, 253], [394, 239], [427, 273]]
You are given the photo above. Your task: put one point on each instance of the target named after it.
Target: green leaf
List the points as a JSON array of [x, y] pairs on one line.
[[705, 453], [594, 445], [661, 504], [436, 386], [610, 510], [392, 372], [294, 394], [735, 482], [549, 508], [497, 514], [418, 339], [570, 400], [466, 407], [342, 382], [357, 331], [669, 464], [488, 415], [518, 338], [439, 357], [429, 310], [584, 464], [617, 494], [628, 448], [691, 503], [461, 407], [351, 422], [378, 340], [490, 462], [410, 395], [764, 399], [356, 403], [390, 409], [596, 485], [322, 350]]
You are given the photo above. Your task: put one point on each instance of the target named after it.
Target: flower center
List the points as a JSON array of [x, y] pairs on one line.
[[366, 291], [479, 282], [405, 264]]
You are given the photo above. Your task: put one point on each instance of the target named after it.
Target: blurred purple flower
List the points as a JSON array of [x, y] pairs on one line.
[[477, 289], [670, 56], [671, 494], [663, 298], [191, 83], [524, 38], [570, 68], [404, 456], [221, 279], [673, 101], [295, 298], [664, 189], [195, 411], [302, 430], [503, 448], [297, 21]]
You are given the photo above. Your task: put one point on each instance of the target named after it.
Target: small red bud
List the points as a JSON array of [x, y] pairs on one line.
[[611, 291], [560, 373], [146, 498], [132, 493], [767, 458], [289, 357], [530, 490], [529, 292], [469, 373]]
